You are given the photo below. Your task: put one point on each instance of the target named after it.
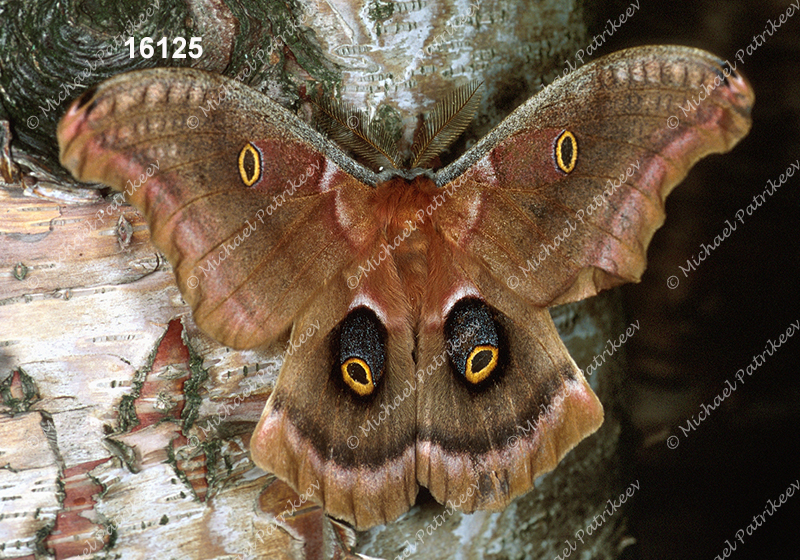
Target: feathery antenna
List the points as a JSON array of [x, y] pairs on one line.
[[353, 130], [445, 123]]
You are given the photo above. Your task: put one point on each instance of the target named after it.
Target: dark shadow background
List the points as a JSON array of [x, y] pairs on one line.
[[745, 292]]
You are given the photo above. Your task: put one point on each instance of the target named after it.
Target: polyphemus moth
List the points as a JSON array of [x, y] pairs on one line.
[[420, 298]]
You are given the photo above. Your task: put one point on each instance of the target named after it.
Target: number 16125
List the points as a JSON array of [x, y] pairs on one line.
[[146, 47]]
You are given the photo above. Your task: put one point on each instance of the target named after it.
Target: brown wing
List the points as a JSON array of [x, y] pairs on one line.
[[315, 432], [557, 203], [556, 232], [265, 222], [242, 197], [482, 444]]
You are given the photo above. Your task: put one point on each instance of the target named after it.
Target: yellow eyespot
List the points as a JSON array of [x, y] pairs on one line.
[[566, 151], [358, 375], [250, 164], [480, 363]]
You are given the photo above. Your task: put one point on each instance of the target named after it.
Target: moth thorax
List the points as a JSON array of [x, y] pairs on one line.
[[401, 203]]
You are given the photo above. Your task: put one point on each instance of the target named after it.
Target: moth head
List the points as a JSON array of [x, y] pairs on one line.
[[368, 138]]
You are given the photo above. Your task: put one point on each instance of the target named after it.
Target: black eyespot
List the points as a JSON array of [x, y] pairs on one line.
[[362, 350], [481, 357], [472, 338], [358, 371], [566, 151]]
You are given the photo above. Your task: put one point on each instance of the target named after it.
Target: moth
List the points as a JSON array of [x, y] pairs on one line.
[[419, 298]]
